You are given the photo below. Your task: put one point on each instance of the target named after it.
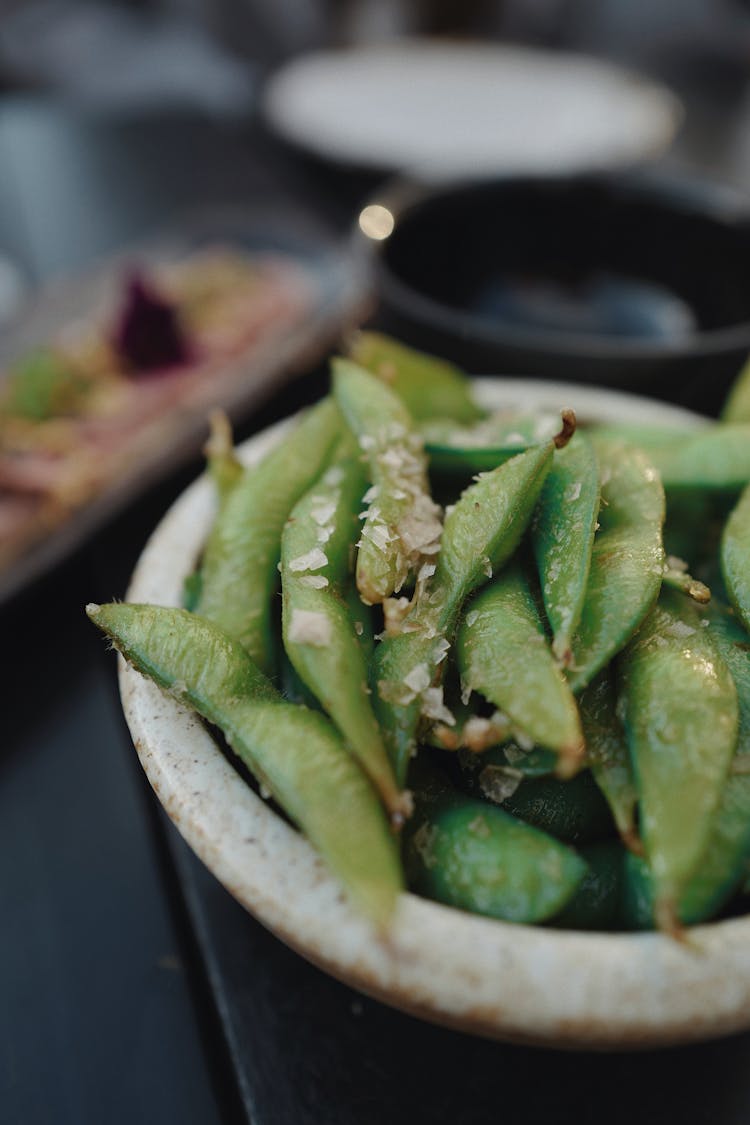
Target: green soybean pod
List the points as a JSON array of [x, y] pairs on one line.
[[401, 523], [483, 529], [294, 752], [627, 561], [430, 387], [713, 459], [656, 441], [473, 856], [608, 756], [242, 553], [318, 630], [503, 654], [735, 557], [681, 719], [723, 862], [562, 535]]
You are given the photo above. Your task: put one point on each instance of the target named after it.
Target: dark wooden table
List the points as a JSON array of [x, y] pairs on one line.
[[132, 987]]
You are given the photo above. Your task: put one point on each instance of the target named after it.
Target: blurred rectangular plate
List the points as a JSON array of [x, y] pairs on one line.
[[338, 299]]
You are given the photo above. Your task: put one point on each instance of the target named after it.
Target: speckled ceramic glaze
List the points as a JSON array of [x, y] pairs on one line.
[[493, 978]]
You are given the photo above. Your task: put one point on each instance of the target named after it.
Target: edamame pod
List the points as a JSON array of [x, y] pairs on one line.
[[402, 522], [713, 459], [473, 856], [483, 529], [296, 753], [706, 458], [430, 387], [723, 862], [562, 535], [239, 565], [608, 756], [627, 561], [735, 557], [656, 441], [503, 654], [318, 631], [681, 715]]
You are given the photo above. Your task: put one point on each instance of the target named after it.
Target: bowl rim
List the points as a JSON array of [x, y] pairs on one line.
[[401, 196], [514, 982]]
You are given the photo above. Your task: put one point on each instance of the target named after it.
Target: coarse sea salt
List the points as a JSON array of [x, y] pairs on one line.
[[418, 679], [679, 629], [497, 784], [433, 706], [312, 560], [307, 627], [333, 476], [324, 514]]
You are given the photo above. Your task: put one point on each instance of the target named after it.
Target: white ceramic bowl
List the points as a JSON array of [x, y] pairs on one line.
[[513, 982]]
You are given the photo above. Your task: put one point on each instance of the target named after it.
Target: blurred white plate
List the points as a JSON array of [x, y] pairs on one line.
[[444, 109]]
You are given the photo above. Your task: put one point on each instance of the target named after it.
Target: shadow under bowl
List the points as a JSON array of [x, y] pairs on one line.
[[638, 282]]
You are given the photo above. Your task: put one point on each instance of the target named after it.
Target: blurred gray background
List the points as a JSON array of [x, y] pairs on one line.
[[111, 56]]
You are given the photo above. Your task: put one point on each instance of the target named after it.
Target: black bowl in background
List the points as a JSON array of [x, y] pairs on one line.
[[636, 282]]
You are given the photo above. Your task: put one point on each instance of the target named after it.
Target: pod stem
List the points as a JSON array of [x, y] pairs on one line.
[[569, 424], [562, 651], [667, 920], [400, 812], [632, 840], [678, 578], [570, 760], [220, 441]]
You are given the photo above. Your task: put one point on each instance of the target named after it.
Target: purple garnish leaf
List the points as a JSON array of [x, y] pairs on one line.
[[147, 334]]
